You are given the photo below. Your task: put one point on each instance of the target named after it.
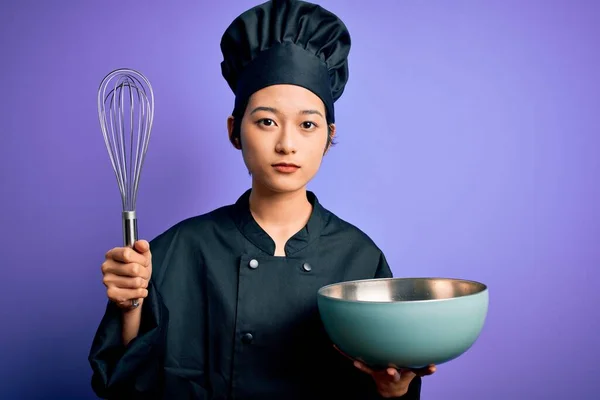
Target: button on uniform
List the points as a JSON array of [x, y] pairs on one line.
[[306, 267], [247, 338], [253, 264]]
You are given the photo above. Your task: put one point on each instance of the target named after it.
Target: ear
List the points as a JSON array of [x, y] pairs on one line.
[[230, 127], [330, 137]]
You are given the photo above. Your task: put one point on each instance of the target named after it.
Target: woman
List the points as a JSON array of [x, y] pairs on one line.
[[227, 304]]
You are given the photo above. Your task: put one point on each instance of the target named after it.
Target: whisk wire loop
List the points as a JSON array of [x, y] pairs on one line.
[[126, 109]]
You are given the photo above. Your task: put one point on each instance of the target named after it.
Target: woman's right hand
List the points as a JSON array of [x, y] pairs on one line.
[[127, 273]]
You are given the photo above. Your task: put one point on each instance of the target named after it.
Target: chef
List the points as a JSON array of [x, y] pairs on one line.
[[228, 300]]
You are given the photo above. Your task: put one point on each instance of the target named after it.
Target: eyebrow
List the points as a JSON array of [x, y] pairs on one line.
[[275, 111], [310, 112]]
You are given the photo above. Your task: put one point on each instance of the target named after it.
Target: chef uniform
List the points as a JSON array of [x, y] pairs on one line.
[[224, 317]]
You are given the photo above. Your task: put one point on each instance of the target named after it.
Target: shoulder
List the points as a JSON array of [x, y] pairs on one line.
[[335, 226], [180, 244], [196, 225], [218, 217], [358, 244]]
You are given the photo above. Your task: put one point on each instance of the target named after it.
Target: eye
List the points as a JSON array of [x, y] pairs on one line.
[[308, 125], [266, 122]]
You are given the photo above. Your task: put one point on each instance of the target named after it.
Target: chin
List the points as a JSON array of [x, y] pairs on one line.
[[282, 184]]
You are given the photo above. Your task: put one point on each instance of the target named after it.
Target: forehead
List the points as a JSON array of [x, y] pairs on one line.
[[287, 98]]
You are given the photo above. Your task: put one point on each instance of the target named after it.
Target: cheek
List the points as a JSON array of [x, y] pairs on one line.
[[315, 157], [253, 151]]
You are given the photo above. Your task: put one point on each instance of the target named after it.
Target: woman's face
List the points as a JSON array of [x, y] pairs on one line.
[[283, 137]]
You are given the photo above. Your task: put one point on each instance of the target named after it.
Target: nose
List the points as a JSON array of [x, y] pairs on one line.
[[286, 143]]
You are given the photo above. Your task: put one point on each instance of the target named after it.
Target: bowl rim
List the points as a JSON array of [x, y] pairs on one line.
[[323, 288]]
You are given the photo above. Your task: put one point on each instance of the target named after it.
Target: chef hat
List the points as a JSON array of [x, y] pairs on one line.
[[286, 42]]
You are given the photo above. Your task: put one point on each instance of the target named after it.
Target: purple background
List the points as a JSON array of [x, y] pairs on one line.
[[468, 147]]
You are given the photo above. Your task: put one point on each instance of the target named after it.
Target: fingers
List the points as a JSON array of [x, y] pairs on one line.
[[392, 382], [361, 366], [342, 353], [143, 247], [125, 282], [357, 363], [122, 289], [122, 297], [394, 374], [430, 370], [126, 273], [127, 270], [128, 255], [389, 374]]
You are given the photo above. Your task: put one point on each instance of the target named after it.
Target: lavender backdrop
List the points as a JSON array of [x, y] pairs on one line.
[[468, 148]]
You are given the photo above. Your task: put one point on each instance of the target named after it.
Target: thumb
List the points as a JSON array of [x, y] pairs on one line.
[[142, 246]]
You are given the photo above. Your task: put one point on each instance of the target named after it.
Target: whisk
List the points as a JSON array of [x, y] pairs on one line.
[[126, 112]]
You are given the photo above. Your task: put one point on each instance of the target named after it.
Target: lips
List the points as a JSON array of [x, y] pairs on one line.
[[286, 168], [286, 165]]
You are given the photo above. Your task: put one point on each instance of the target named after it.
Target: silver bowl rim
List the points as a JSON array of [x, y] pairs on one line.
[[484, 289]]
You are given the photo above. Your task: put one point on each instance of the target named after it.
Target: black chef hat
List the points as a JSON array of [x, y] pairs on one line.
[[286, 42]]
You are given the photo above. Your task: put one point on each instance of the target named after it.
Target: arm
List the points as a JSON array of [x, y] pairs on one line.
[[383, 269], [126, 355], [132, 321], [129, 370]]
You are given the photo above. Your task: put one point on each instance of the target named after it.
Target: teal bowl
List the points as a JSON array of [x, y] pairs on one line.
[[404, 322]]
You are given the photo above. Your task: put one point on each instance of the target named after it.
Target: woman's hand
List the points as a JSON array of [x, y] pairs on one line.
[[126, 274], [391, 382]]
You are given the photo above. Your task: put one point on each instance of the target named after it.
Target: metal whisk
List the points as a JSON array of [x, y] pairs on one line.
[[126, 112]]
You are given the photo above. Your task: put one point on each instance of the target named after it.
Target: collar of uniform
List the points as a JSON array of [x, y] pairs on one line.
[[254, 233]]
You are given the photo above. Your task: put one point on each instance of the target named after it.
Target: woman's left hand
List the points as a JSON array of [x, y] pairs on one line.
[[391, 382]]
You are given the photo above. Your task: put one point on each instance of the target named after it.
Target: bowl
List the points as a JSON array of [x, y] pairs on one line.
[[404, 322]]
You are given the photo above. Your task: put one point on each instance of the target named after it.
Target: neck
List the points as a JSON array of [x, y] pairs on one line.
[[280, 210]]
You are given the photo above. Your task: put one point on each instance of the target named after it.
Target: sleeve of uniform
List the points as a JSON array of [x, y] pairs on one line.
[[133, 371], [383, 269], [414, 389]]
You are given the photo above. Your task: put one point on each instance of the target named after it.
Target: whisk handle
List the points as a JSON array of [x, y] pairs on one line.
[[130, 232], [130, 235]]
